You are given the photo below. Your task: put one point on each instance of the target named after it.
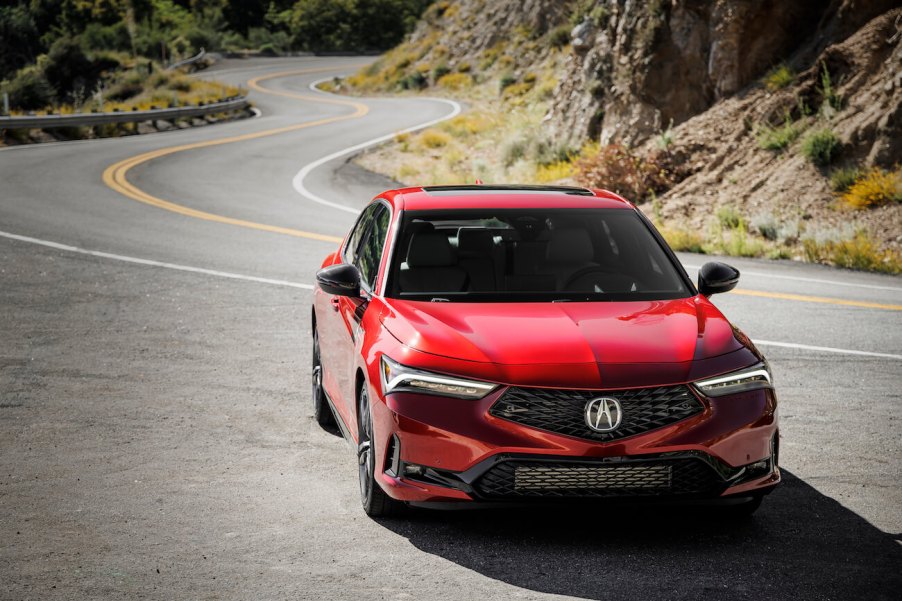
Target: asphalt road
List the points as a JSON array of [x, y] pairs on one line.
[[156, 439]]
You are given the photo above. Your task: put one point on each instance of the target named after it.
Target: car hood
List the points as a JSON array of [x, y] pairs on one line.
[[605, 334]]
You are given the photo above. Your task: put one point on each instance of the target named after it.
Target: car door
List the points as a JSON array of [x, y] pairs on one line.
[[351, 310], [332, 326]]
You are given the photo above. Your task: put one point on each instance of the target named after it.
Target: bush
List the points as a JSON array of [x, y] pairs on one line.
[[29, 90], [858, 252], [553, 171], [434, 138], [875, 188], [842, 179], [123, 91], [506, 80], [728, 217], [455, 81], [106, 37], [682, 240], [778, 77], [559, 36], [821, 147], [68, 69], [777, 138], [440, 71], [414, 81], [617, 169]]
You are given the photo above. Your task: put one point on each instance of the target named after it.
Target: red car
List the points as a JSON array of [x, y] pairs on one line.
[[485, 344]]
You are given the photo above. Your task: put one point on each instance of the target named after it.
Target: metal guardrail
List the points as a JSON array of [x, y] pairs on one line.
[[188, 61], [89, 119]]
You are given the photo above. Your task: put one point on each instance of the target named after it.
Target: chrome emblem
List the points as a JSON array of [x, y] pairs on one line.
[[603, 414]]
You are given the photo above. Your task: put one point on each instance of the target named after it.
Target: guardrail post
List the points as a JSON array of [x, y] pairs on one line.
[[5, 103]]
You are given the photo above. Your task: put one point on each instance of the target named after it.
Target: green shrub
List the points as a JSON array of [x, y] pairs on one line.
[[123, 91], [29, 90], [777, 138], [842, 179], [821, 147], [728, 217], [440, 71], [682, 240], [414, 81], [506, 80], [559, 36], [106, 37], [69, 70], [778, 77]]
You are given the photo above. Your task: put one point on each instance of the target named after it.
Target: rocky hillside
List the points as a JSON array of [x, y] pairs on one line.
[[749, 127]]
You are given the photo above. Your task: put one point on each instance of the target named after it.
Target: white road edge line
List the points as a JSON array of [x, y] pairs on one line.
[[826, 349], [272, 282], [152, 263], [298, 181], [804, 279]]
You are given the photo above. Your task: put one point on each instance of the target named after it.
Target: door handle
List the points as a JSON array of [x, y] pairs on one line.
[[334, 301]]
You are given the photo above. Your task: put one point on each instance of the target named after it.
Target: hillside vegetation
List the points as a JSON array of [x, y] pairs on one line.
[[60, 53], [754, 129]]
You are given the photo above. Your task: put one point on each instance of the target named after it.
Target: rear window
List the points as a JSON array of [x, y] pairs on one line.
[[531, 255]]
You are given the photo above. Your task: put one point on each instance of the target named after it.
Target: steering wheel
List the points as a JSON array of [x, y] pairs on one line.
[[608, 275]]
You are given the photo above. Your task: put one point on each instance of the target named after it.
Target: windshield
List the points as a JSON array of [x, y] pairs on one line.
[[531, 255]]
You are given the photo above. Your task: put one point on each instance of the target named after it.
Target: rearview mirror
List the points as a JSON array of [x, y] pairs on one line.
[[714, 278], [340, 280]]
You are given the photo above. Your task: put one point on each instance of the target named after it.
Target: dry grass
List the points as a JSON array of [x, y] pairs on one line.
[[858, 252]]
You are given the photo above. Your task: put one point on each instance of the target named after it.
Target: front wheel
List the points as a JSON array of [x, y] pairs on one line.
[[321, 411], [375, 502]]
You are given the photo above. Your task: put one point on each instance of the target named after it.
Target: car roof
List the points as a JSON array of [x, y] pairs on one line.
[[425, 198]]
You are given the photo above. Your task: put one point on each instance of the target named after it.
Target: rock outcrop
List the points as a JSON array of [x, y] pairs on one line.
[[652, 64]]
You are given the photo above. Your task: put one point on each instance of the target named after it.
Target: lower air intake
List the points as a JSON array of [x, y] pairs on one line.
[[526, 478]]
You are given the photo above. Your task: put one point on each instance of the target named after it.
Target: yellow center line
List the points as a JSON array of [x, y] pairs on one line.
[[818, 299], [116, 175]]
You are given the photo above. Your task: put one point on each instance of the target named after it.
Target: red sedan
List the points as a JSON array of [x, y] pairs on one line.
[[486, 344]]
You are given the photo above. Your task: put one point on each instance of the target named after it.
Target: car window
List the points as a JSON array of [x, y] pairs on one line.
[[370, 253], [363, 222], [508, 255]]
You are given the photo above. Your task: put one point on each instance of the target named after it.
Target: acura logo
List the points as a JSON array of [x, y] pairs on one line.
[[603, 414]]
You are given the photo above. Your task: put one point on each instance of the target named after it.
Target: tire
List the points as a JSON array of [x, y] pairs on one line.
[[321, 410], [376, 503]]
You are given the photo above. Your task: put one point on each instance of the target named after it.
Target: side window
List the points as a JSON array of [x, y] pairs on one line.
[[370, 254], [350, 252]]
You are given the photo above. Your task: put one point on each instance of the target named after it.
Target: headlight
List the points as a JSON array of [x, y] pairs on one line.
[[751, 378], [400, 378]]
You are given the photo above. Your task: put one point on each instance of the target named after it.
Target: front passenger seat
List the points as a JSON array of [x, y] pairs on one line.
[[431, 265]]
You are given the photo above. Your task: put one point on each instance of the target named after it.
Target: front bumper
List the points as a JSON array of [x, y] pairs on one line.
[[439, 449]]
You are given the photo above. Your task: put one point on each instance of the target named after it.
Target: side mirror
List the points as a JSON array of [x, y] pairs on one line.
[[714, 278], [340, 280]]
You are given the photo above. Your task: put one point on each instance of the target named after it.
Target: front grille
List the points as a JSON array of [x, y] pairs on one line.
[[563, 411], [544, 479]]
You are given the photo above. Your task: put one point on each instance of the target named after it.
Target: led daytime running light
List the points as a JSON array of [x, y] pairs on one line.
[[397, 378]]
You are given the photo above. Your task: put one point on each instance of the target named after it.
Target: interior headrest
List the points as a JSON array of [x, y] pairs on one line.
[[429, 249], [570, 245], [474, 241]]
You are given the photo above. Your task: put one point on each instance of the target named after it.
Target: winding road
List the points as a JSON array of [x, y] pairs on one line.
[[155, 431]]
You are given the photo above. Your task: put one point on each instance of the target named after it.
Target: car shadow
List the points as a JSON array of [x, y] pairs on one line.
[[799, 545]]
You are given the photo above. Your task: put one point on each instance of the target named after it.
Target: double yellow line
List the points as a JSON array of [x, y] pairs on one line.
[[116, 175]]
